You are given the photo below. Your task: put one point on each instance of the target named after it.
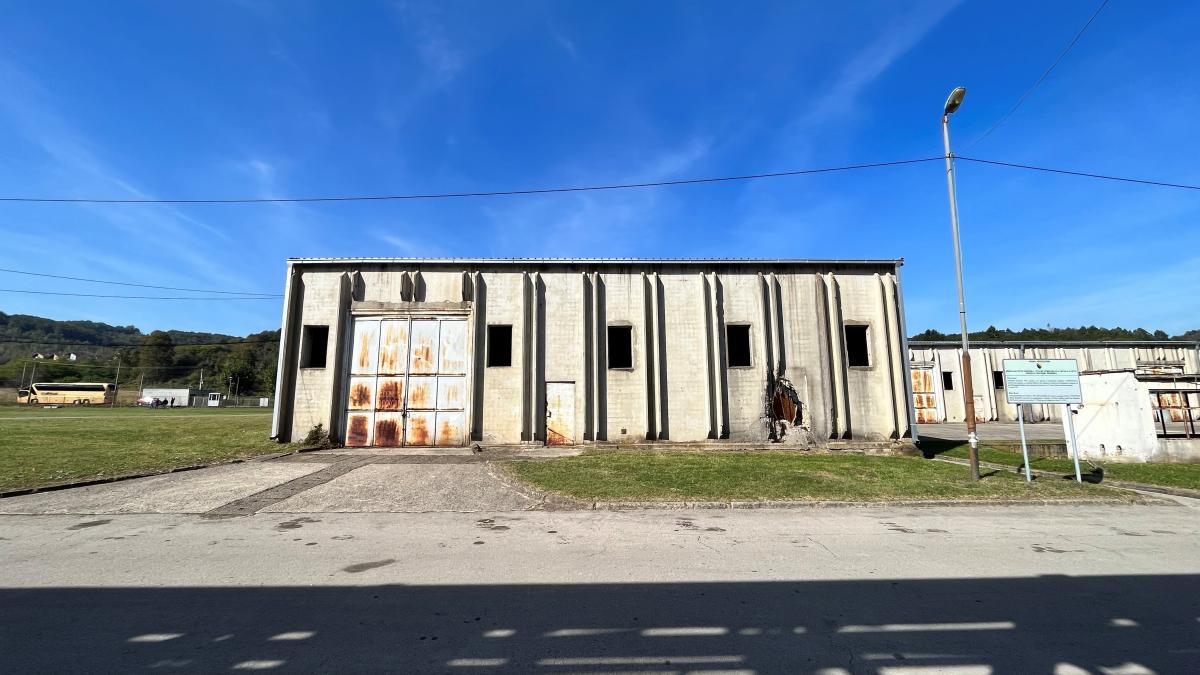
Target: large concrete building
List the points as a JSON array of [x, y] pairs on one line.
[[389, 352]]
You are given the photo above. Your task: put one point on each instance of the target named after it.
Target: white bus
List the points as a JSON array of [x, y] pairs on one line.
[[63, 393]]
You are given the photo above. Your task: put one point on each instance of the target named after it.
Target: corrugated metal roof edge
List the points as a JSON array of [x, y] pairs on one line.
[[619, 261]]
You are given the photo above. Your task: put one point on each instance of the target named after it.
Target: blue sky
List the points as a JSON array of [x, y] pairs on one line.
[[154, 99]]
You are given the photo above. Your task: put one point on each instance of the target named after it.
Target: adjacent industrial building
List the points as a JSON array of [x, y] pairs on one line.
[[936, 372], [390, 352]]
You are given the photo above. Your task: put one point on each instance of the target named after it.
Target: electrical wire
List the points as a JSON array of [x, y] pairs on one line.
[[125, 283], [114, 344], [1084, 174], [55, 364], [1041, 79], [136, 297], [457, 195]]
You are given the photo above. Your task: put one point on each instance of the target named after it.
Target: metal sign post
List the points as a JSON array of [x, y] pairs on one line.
[[1043, 381], [1024, 445], [1068, 416]]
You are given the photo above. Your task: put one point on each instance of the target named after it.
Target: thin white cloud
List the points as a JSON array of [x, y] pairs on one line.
[[562, 40], [914, 23], [1148, 297], [442, 57], [181, 241], [618, 223], [407, 247]]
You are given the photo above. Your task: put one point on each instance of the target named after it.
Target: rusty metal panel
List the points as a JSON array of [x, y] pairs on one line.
[[453, 348], [362, 390], [358, 430], [422, 393], [424, 337], [419, 429], [560, 413], [451, 428], [366, 347], [391, 394], [1172, 404], [389, 430], [924, 400], [393, 347], [451, 393]]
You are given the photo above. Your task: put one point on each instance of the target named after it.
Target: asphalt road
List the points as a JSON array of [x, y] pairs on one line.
[[1065, 589]]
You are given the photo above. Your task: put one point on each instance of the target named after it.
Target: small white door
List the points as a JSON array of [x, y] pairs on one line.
[[214, 400], [560, 413]]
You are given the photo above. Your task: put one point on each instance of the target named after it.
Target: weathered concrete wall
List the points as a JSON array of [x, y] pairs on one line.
[[1116, 423], [502, 387], [680, 386]]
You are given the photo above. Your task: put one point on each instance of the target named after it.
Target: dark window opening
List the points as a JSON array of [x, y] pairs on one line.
[[499, 346], [313, 343], [737, 346], [620, 346], [947, 380], [856, 346], [998, 379]]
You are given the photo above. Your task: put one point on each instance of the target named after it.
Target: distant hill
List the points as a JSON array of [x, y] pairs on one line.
[[159, 358], [1083, 333]]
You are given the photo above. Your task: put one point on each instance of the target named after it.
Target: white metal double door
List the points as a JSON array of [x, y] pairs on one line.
[[408, 382]]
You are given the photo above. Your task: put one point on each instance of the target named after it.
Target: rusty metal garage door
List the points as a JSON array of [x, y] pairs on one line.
[[408, 382], [924, 397]]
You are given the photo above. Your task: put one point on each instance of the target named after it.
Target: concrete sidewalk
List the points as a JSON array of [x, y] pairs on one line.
[[993, 431], [313, 482]]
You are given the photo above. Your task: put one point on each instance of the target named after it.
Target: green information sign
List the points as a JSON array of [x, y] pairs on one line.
[[1042, 381]]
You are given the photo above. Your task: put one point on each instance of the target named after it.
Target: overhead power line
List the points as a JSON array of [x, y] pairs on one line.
[[1084, 174], [126, 283], [123, 344], [457, 195], [132, 366], [1041, 79], [139, 297]]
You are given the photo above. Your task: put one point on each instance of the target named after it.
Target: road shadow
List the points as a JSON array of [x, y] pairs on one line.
[[1005, 625]]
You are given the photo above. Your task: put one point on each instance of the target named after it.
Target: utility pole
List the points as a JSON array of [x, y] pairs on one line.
[[117, 382], [201, 379], [21, 383], [952, 104]]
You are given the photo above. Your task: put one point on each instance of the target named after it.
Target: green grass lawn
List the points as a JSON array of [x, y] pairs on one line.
[[719, 476], [1170, 475], [45, 446]]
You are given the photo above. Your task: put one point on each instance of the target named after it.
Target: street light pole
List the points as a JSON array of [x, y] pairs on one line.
[[952, 103]]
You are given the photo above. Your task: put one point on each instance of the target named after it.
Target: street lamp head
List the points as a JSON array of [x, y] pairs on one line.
[[955, 99]]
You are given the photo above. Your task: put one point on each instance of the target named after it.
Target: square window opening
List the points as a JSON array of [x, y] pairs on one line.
[[857, 355], [737, 346], [499, 346], [314, 341], [620, 346], [998, 379], [947, 380]]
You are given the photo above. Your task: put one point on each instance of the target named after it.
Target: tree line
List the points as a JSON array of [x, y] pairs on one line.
[[1049, 334], [161, 358]]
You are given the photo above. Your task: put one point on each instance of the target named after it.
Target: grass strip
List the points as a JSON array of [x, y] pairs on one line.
[[785, 476]]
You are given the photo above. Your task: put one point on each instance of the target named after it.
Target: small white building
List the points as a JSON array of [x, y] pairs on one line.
[[178, 397], [1131, 417]]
